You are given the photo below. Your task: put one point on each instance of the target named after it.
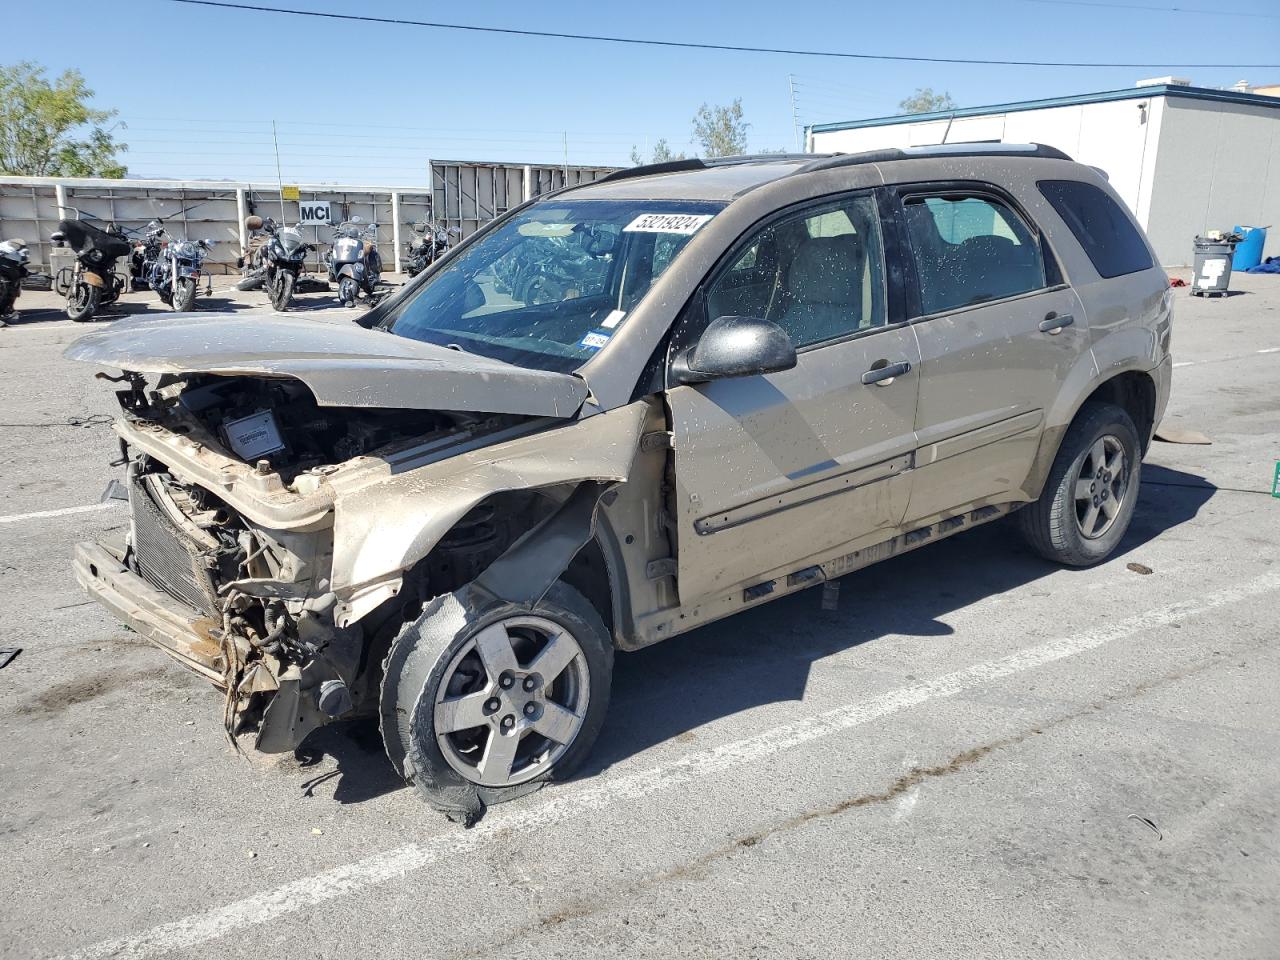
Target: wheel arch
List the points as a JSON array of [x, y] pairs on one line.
[[1133, 390]]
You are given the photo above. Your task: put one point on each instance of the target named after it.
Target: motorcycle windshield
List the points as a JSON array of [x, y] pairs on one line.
[[290, 240], [547, 288]]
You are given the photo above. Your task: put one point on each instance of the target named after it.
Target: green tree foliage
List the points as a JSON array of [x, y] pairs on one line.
[[721, 130], [50, 130], [924, 100], [662, 152]]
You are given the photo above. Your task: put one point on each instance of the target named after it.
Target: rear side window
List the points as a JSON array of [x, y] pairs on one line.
[[970, 250], [1105, 231]]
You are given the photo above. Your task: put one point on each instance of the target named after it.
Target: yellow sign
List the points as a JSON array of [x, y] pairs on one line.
[[289, 193]]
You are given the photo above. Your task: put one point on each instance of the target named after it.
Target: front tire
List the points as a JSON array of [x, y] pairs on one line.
[[484, 701], [82, 301], [282, 290], [348, 290], [1092, 488], [184, 297]]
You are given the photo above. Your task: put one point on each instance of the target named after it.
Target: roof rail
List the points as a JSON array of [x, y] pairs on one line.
[[696, 163], [889, 154], [650, 169]]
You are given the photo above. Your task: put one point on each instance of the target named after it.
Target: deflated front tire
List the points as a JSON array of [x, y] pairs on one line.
[[484, 701]]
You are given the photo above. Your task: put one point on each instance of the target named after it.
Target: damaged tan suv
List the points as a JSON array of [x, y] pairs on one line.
[[616, 413]]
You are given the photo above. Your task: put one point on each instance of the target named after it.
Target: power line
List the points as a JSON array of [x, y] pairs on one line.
[[686, 45], [1220, 12]]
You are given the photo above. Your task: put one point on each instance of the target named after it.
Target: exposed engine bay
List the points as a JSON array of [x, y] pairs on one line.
[[279, 421], [260, 597]]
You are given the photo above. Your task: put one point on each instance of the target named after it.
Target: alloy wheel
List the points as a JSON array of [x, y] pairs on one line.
[[511, 701], [1101, 484]]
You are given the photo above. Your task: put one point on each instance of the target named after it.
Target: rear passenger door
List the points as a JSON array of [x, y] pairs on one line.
[[998, 333]]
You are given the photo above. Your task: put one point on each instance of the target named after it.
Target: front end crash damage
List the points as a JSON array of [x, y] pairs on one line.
[[281, 576]]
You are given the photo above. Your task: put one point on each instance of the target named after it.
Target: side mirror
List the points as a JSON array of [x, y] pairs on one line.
[[735, 347]]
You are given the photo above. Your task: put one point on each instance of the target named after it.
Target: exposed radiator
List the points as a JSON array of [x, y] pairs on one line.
[[167, 557]]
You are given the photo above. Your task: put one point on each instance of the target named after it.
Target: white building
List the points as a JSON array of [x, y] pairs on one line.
[[1184, 158]]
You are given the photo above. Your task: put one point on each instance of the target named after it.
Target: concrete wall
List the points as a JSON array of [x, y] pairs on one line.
[[1217, 166]]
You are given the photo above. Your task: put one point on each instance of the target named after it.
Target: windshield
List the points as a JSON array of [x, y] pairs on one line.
[[551, 285]]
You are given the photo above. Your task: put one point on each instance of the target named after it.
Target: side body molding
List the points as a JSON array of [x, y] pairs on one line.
[[383, 528]]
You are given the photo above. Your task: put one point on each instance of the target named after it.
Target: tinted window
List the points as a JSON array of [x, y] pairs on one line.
[[819, 274], [1105, 231], [969, 250]]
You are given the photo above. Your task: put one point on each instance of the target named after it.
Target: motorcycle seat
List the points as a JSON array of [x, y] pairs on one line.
[[84, 236]]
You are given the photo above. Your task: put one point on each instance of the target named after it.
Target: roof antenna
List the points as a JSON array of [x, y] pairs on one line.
[[947, 131]]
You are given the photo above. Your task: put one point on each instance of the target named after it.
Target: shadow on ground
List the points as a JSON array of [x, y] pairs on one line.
[[763, 656]]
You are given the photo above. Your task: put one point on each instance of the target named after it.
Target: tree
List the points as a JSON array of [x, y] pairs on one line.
[[924, 100], [721, 130], [662, 153], [50, 130]]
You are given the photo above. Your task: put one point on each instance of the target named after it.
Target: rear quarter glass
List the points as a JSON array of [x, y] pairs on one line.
[[1104, 230]]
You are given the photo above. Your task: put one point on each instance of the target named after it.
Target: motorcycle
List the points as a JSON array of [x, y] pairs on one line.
[[169, 266], [93, 282], [354, 262], [432, 242], [13, 268], [276, 264]]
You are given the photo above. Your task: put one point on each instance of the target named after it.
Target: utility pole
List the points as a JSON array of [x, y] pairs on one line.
[[795, 111], [279, 177], [566, 158]]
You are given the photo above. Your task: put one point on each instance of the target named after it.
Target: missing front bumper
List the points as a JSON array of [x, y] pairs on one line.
[[155, 616]]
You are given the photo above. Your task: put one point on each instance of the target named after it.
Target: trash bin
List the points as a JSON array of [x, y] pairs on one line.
[[1249, 250], [1212, 266]]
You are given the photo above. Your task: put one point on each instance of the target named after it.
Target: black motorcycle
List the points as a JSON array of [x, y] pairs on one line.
[[432, 242], [93, 282], [169, 266], [13, 268], [276, 264]]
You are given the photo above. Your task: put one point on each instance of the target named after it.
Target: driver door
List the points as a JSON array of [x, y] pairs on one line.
[[773, 470]]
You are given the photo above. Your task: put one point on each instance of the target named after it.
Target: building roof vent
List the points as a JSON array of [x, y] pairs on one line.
[[1164, 82]]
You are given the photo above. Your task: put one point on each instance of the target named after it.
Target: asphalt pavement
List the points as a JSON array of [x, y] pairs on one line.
[[977, 755]]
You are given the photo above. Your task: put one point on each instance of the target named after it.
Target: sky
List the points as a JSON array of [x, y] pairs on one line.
[[197, 88]]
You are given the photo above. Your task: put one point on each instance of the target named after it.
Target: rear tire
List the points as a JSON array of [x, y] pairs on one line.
[[464, 702], [282, 290], [184, 297], [1092, 488], [82, 301]]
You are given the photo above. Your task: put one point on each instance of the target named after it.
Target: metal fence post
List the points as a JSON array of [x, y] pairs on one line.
[[395, 227], [242, 214]]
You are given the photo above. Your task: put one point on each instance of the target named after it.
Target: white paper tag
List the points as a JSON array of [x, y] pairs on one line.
[[613, 319], [685, 223], [254, 436]]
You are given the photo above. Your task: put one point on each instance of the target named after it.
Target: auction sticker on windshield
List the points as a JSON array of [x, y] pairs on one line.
[[685, 223]]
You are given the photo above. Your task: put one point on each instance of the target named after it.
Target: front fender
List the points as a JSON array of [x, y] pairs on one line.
[[385, 527]]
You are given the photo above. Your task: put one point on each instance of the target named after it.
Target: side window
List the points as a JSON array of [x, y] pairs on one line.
[[1106, 233], [969, 250], [819, 274]]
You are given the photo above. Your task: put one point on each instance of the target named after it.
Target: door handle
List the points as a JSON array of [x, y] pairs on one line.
[[883, 372], [1053, 323]]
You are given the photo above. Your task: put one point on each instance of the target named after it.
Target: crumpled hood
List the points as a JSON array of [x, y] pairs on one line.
[[343, 364]]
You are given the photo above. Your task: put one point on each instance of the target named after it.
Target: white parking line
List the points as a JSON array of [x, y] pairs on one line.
[[63, 512], [571, 802], [1193, 363]]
